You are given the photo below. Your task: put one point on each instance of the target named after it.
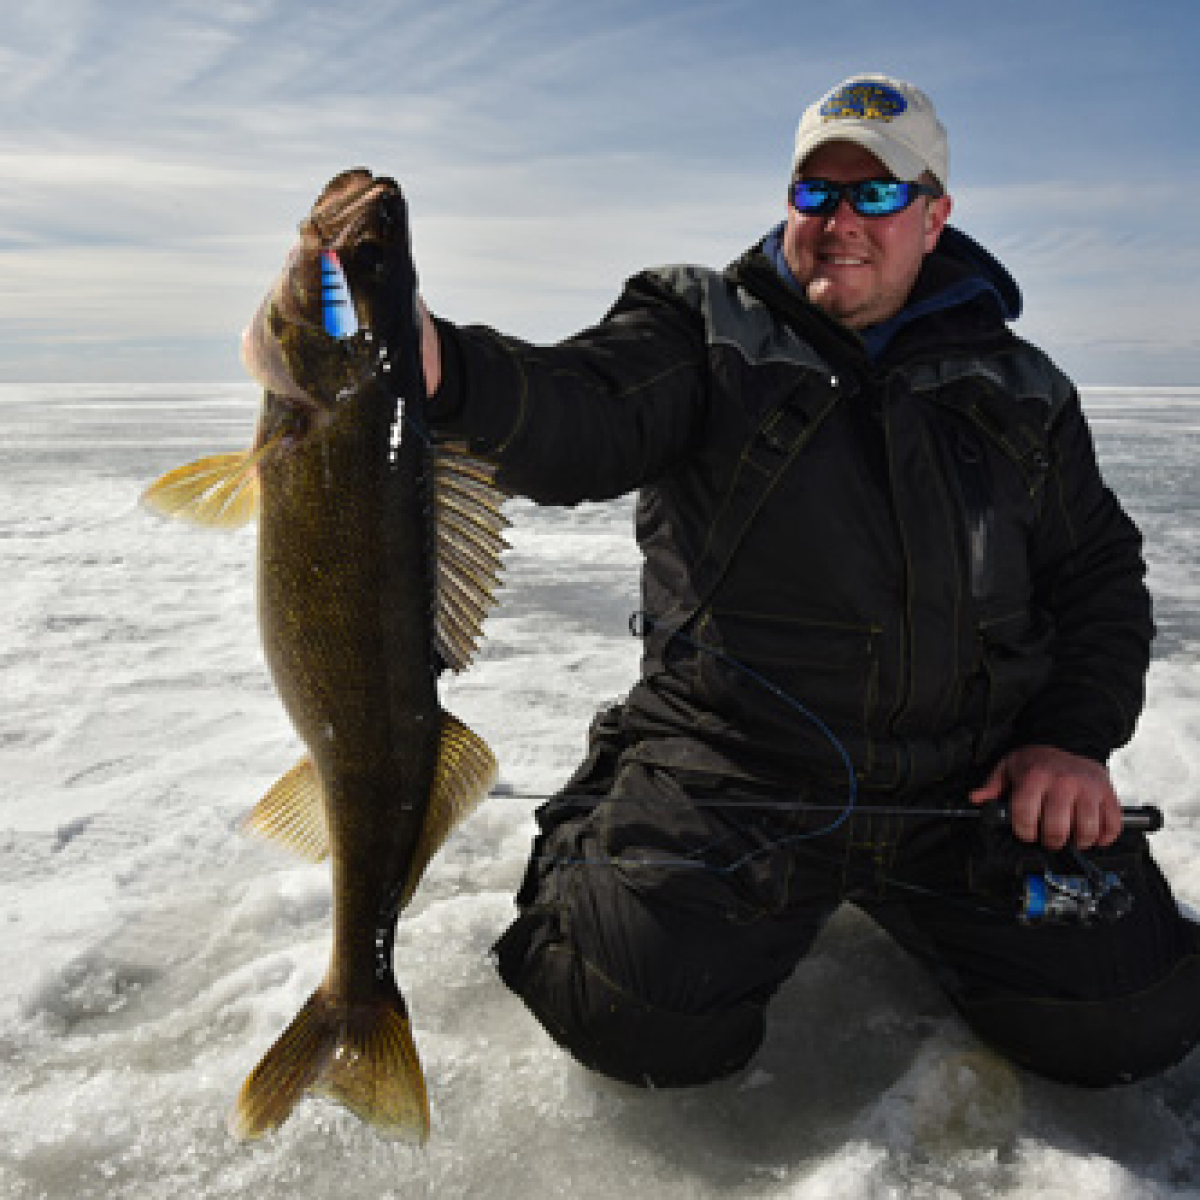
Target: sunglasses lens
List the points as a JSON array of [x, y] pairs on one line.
[[814, 195], [869, 198], [879, 197]]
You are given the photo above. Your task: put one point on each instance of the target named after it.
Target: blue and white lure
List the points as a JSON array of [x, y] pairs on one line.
[[340, 321], [337, 308]]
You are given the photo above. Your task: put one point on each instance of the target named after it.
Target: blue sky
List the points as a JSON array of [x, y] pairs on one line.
[[155, 158]]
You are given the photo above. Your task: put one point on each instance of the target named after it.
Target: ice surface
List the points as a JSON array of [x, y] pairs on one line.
[[151, 954]]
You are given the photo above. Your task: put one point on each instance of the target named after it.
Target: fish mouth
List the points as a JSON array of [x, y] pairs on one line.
[[289, 347], [346, 207]]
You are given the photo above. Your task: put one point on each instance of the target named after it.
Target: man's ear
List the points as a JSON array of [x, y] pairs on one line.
[[937, 213]]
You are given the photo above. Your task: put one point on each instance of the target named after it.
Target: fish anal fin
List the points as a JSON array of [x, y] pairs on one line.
[[220, 491], [466, 771], [292, 813], [360, 1055]]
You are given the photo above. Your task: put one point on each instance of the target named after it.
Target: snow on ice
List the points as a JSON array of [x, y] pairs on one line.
[[151, 953]]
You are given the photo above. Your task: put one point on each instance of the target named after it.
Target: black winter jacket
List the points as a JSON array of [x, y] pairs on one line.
[[920, 550]]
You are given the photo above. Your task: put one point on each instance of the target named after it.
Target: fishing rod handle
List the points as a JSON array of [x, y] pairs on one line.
[[1142, 818], [1145, 818]]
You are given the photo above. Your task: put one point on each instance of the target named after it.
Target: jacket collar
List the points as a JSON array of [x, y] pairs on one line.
[[960, 279]]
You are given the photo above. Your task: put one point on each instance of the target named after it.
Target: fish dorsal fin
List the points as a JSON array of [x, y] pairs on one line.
[[469, 544], [293, 813], [466, 771], [220, 492]]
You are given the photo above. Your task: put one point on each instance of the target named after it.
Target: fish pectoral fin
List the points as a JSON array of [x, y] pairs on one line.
[[220, 492], [466, 771], [360, 1055], [293, 813]]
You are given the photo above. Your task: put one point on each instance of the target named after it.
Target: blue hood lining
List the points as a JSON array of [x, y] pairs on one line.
[[976, 273]]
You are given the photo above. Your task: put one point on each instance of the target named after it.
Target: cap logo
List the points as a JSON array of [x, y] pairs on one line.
[[866, 101]]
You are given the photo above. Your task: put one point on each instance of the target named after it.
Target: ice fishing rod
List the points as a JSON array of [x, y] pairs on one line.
[[1137, 818], [1089, 897], [1033, 893]]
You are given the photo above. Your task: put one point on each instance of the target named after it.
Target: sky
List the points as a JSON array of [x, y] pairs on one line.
[[155, 158]]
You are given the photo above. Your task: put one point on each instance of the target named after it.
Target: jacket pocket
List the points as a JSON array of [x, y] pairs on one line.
[[805, 687]]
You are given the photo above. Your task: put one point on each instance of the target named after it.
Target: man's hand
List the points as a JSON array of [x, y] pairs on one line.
[[431, 350], [1055, 797]]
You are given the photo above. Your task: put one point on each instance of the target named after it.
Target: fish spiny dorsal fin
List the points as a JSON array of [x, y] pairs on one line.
[[466, 771], [292, 813], [469, 544]]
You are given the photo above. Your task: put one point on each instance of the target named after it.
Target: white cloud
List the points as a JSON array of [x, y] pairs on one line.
[[154, 158]]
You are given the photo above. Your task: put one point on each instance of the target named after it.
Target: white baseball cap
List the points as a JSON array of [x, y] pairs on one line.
[[892, 119]]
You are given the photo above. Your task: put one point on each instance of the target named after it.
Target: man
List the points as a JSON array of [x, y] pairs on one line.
[[882, 577]]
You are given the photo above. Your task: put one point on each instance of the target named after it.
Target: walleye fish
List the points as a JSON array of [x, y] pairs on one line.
[[378, 557]]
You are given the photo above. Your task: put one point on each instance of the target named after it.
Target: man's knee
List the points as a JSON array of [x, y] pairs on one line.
[[1096, 1043], [609, 1029]]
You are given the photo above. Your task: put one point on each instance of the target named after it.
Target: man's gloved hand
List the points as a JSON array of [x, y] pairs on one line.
[[357, 215]]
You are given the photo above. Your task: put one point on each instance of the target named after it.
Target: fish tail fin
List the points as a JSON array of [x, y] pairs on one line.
[[360, 1055]]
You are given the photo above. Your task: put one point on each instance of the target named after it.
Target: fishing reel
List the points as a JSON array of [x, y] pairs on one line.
[[1041, 887], [1089, 898]]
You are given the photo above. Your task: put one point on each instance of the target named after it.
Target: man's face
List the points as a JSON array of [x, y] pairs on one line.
[[859, 269]]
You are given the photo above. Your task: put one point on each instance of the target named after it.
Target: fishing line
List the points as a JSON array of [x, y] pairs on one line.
[[857, 872], [641, 623]]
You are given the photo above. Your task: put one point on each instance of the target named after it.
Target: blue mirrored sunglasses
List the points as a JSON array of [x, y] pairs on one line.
[[868, 197]]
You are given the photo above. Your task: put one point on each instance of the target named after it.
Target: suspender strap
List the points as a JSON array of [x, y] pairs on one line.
[[766, 457]]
